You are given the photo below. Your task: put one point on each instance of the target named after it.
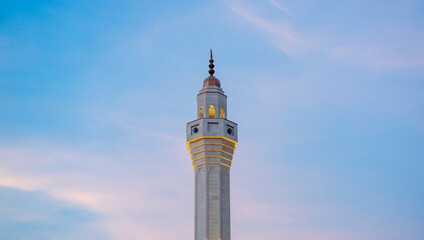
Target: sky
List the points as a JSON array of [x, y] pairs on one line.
[[328, 95]]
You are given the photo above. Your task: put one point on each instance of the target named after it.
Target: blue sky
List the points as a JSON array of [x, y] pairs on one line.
[[328, 95]]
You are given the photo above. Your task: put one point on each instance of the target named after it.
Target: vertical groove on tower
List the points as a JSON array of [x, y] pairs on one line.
[[196, 199], [219, 202], [206, 202]]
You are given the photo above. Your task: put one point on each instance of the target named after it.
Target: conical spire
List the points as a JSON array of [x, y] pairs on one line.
[[211, 66]]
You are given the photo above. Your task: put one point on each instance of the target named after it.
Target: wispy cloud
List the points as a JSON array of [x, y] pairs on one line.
[[380, 55], [133, 201], [393, 48], [280, 7], [279, 33], [36, 215]]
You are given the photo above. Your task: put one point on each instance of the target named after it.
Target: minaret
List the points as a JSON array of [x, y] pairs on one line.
[[212, 140]]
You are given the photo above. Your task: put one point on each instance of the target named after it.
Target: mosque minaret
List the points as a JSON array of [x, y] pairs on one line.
[[212, 140]]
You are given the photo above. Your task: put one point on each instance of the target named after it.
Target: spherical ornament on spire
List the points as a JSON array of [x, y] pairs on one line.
[[211, 66], [211, 80]]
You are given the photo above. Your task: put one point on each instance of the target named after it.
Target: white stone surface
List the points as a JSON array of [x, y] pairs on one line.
[[212, 179]]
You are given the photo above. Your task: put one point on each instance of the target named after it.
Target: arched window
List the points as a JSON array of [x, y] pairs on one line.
[[212, 111], [222, 113], [201, 112]]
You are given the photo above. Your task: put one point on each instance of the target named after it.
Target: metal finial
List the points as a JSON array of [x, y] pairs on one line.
[[211, 66]]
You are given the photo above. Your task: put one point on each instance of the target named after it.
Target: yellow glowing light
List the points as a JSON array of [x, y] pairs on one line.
[[194, 167], [211, 151], [209, 137], [212, 111], [201, 112], [222, 113], [212, 157], [191, 149]]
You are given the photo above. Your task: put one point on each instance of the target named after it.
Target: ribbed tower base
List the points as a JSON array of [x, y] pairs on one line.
[[212, 159]]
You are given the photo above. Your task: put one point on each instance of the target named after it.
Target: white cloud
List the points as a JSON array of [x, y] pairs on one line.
[[128, 191], [36, 215], [280, 33], [280, 7], [372, 47]]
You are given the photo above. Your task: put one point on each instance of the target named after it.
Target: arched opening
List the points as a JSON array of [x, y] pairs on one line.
[[201, 112], [222, 113], [212, 111]]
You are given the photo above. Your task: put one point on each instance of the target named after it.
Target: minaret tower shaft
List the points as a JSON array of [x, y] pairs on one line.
[[212, 140]]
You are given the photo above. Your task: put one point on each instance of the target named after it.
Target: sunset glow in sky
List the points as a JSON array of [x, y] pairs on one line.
[[95, 95]]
